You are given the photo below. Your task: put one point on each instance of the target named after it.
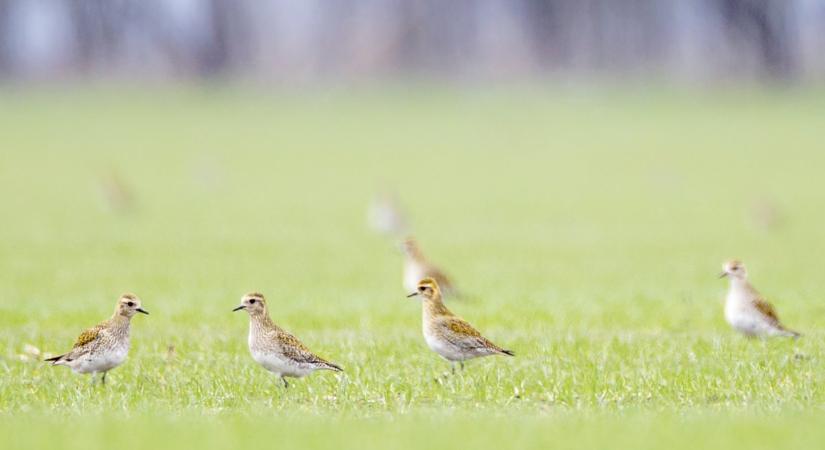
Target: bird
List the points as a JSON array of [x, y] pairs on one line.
[[447, 334], [276, 349], [105, 346], [118, 196], [746, 310], [417, 268], [385, 215]]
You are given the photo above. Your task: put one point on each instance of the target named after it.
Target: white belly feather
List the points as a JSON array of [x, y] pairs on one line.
[[277, 364], [281, 366], [100, 361], [744, 317], [443, 347]]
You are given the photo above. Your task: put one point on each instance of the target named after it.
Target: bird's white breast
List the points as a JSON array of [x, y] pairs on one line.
[[101, 360], [742, 314], [736, 303], [274, 362], [282, 366], [441, 346]]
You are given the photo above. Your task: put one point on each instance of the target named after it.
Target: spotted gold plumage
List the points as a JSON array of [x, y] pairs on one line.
[[469, 337], [746, 310], [106, 345], [88, 336], [276, 349], [459, 326], [294, 349], [450, 336], [767, 309]]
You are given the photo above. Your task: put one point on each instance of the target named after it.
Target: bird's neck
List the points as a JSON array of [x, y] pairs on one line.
[[260, 322], [435, 307], [739, 288], [119, 320], [119, 325]]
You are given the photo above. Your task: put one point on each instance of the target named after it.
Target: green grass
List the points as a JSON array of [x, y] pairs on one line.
[[586, 230]]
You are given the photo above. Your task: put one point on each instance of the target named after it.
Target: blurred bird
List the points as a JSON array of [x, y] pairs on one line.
[[274, 348], [416, 268], [746, 310], [105, 346], [171, 353], [116, 193], [447, 334], [385, 215], [766, 215]]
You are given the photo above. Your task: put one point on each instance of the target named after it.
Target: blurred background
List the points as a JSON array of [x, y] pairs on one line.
[[579, 168], [364, 40], [172, 116]]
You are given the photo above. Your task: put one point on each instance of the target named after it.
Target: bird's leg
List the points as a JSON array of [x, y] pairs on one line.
[[461, 363], [94, 378], [286, 383], [103, 378], [452, 367]]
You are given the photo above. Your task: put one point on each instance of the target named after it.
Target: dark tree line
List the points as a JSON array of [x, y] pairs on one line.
[[334, 38]]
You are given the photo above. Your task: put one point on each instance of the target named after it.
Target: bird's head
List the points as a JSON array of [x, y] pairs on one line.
[[734, 269], [128, 305], [427, 289], [254, 303]]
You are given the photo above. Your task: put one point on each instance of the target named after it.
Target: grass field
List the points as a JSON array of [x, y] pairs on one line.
[[586, 231]]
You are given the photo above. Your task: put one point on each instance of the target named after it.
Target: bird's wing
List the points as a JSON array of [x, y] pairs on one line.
[[88, 336], [295, 350], [460, 326], [767, 309], [462, 334]]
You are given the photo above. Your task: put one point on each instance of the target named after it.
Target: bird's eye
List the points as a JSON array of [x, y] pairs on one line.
[[130, 304], [422, 288], [252, 301]]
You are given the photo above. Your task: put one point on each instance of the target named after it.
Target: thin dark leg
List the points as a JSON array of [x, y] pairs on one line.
[[103, 379], [462, 365], [286, 383]]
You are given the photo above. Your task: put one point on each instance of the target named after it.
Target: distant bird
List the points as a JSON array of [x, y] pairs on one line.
[[417, 267], [447, 334], [766, 215], [274, 348], [746, 310], [105, 346], [116, 193], [385, 215]]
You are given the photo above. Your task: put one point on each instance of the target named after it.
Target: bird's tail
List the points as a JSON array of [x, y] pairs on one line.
[[507, 352], [330, 366], [791, 333], [55, 359]]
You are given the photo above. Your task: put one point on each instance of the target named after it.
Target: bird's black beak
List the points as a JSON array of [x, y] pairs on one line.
[[723, 275], [142, 311], [413, 294], [239, 308]]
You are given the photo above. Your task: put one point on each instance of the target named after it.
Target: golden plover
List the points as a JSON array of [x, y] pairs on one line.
[[746, 310], [385, 215], [447, 334], [274, 348], [116, 193], [103, 347], [416, 268]]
